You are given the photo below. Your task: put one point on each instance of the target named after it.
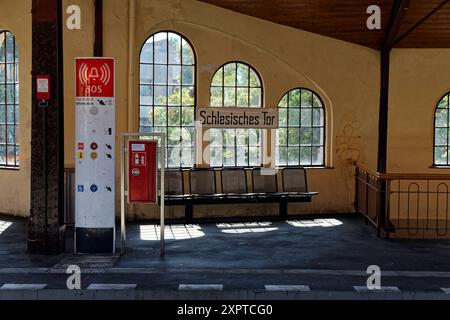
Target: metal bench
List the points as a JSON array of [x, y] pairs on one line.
[[202, 185]]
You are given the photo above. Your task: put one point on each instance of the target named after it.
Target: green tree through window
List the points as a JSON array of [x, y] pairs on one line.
[[9, 101], [300, 139], [235, 84], [168, 94]]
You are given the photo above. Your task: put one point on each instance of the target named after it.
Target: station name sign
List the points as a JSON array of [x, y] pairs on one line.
[[230, 117]]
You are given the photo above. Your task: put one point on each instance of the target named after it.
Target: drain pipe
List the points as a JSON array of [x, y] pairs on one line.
[[131, 36]]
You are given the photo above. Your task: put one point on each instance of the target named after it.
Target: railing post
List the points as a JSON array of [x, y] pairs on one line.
[[356, 203], [381, 205]]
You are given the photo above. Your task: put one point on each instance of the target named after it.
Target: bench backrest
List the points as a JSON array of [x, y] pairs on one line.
[[173, 181], [234, 180], [294, 179], [263, 183], [202, 181]]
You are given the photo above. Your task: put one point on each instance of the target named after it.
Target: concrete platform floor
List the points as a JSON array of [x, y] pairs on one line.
[[324, 255]]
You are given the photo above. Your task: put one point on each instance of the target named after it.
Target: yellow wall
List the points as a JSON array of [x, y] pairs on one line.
[[346, 76], [419, 79], [15, 184]]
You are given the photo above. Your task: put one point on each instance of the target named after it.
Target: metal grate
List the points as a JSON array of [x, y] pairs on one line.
[[87, 264]]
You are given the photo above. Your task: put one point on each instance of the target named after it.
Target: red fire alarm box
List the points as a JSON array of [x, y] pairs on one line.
[[43, 88], [142, 166]]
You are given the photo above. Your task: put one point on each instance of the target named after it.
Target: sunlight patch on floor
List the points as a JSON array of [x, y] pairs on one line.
[[4, 225], [315, 223], [246, 227], [172, 232]]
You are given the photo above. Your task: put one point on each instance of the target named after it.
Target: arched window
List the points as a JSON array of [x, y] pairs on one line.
[[300, 139], [442, 132], [236, 84], [9, 101], [168, 94]]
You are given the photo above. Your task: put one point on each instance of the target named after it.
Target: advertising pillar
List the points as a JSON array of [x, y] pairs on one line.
[[95, 156]]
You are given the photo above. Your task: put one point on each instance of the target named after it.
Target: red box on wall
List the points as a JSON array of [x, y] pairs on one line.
[[142, 166]]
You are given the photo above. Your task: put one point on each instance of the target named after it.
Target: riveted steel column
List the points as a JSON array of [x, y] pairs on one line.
[[45, 231]]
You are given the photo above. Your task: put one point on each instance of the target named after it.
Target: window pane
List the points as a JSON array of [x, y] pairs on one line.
[[318, 117], [188, 75], [282, 116], [188, 136], [305, 136], [218, 78], [441, 137], [254, 79], [188, 96], [230, 97], [160, 74], [174, 98], [318, 136], [146, 95], [145, 115], [2, 93], [293, 156], [306, 98], [230, 75], [174, 116], [2, 154], [305, 156], [161, 48], [242, 75], [255, 97], [160, 95], [216, 97], [294, 117], [306, 114], [174, 49], [242, 97], [317, 156], [442, 118], [440, 155], [2, 46], [188, 116], [444, 102], [294, 136], [147, 52], [2, 133], [294, 98], [160, 116], [146, 76], [282, 156], [282, 137], [188, 54], [2, 72], [174, 75]]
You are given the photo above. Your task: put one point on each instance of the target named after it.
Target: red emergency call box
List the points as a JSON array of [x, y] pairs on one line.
[[142, 166]]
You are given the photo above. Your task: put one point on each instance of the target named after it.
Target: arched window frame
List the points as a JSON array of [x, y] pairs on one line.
[[441, 123], [313, 126], [236, 87], [153, 127], [9, 102]]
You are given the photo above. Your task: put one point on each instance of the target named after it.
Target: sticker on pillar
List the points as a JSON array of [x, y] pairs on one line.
[[80, 188], [94, 188], [94, 155], [94, 146], [135, 172], [80, 146], [80, 155]]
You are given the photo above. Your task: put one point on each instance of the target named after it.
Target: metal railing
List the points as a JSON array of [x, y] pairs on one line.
[[412, 204]]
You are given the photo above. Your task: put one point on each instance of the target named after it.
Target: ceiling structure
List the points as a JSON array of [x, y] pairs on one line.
[[426, 23]]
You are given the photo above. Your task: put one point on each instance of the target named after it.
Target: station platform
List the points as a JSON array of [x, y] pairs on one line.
[[322, 258]]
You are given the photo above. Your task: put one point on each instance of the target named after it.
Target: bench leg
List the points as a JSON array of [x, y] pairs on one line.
[[189, 212], [283, 209]]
